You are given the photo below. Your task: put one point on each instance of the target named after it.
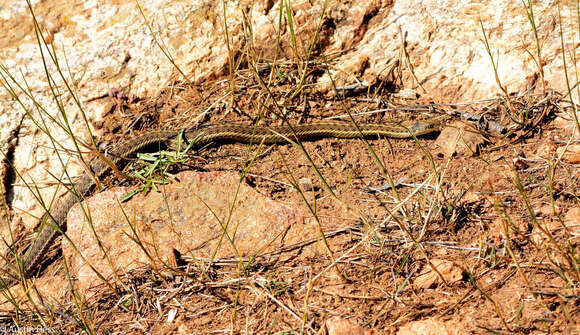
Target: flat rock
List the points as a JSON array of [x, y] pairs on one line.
[[341, 326], [49, 290], [573, 217], [431, 326], [428, 278], [459, 139], [570, 153], [570, 228], [188, 216], [567, 122]]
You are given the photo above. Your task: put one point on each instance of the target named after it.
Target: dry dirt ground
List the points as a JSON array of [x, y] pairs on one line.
[[484, 240], [525, 283]]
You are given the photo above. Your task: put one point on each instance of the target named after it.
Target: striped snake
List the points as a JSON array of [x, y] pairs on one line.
[[54, 221]]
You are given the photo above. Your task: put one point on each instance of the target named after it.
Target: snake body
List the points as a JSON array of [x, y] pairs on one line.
[[53, 222]]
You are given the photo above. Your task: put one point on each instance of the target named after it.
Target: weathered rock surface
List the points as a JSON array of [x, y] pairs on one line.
[[340, 326], [459, 138], [429, 278], [570, 153], [432, 326], [189, 216]]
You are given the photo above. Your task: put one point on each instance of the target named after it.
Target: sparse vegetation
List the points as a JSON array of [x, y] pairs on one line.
[[389, 254]]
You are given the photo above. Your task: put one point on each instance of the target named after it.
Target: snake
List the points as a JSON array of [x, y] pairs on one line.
[[53, 221]]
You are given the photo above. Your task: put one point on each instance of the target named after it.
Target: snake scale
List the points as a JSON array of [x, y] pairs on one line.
[[54, 220]]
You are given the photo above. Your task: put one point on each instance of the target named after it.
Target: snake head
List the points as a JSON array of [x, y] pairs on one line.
[[425, 127]]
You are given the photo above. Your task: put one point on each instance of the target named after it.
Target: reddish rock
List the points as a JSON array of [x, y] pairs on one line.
[[188, 216], [572, 217], [517, 228], [567, 123], [546, 149], [459, 138], [546, 210], [340, 326], [570, 153], [572, 222], [555, 227], [51, 288], [431, 326], [428, 278]]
